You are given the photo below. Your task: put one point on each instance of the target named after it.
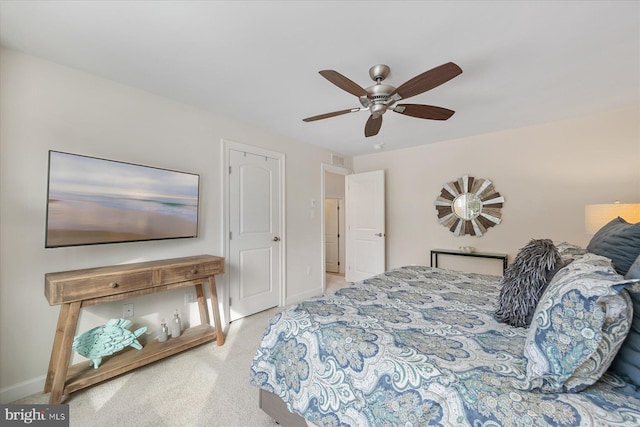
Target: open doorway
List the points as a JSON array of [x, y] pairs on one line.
[[333, 242], [334, 235]]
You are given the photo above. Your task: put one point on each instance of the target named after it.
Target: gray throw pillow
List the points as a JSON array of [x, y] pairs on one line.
[[619, 241], [524, 282]]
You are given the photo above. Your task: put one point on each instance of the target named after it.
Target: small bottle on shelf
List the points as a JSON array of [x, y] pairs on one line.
[[176, 325], [164, 332]]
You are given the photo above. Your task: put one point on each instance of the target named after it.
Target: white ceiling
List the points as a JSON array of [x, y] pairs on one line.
[[524, 62]]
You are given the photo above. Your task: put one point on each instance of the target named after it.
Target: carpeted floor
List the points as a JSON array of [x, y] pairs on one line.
[[205, 386], [334, 281]]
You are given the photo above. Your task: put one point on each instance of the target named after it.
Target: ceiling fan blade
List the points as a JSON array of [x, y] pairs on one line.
[[327, 115], [344, 83], [424, 111], [427, 80], [373, 126]]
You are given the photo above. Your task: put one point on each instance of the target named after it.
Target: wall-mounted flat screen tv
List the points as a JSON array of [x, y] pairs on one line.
[[93, 201]]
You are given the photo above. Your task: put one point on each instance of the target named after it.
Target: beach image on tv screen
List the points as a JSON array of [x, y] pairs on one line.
[[94, 201]]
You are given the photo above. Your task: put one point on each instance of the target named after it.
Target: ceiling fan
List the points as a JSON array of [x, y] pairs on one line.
[[380, 97]]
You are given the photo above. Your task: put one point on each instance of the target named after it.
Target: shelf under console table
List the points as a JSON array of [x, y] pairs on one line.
[[77, 289], [436, 252]]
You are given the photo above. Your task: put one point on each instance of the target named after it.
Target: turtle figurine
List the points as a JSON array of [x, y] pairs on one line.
[[107, 339]]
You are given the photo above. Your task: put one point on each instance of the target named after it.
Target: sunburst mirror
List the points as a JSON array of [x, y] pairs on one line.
[[469, 206]]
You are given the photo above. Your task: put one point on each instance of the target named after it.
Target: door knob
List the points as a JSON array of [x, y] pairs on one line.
[[276, 239], [379, 234]]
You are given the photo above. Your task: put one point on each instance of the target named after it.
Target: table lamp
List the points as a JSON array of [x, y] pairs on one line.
[[596, 216]]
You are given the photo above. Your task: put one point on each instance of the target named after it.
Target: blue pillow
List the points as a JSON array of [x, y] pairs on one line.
[[619, 241], [634, 270], [627, 362]]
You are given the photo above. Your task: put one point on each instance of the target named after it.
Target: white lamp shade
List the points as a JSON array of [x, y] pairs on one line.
[[596, 216]]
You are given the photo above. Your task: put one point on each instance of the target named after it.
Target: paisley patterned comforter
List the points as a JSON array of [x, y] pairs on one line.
[[417, 346]]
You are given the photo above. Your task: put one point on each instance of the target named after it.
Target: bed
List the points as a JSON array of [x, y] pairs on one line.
[[419, 346]]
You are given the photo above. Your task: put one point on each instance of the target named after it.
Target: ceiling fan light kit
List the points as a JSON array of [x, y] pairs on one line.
[[378, 98]]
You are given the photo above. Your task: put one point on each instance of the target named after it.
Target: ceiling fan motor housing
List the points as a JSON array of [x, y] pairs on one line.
[[379, 95], [377, 110]]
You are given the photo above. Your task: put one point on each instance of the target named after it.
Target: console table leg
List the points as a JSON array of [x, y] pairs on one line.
[[202, 305], [216, 310], [61, 351], [57, 340]]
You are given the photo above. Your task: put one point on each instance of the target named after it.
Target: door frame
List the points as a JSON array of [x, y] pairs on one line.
[[324, 167], [226, 146]]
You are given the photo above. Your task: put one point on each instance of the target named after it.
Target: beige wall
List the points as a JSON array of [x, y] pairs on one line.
[[547, 174], [46, 106]]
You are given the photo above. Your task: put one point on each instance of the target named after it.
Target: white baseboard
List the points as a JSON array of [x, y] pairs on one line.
[[22, 390]]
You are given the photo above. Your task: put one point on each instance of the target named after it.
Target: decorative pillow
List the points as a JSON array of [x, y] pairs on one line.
[[619, 241], [634, 270], [627, 362], [580, 323], [525, 280], [569, 252]]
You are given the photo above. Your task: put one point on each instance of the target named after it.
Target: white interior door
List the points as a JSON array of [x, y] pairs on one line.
[[332, 235], [365, 199], [254, 239]]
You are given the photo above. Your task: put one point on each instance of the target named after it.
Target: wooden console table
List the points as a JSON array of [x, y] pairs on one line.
[[436, 252], [77, 289]]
